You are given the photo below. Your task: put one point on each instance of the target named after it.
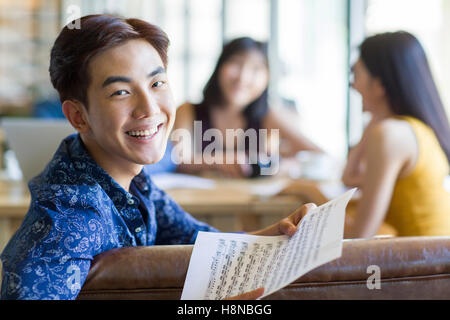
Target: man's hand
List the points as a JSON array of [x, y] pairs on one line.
[[251, 295], [286, 226]]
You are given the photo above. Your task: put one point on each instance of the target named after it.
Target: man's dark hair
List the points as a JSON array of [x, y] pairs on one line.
[[74, 48]]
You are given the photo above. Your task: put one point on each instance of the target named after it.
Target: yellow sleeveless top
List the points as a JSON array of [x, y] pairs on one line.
[[420, 205]]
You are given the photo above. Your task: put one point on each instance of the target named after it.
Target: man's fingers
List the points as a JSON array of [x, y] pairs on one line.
[[303, 211], [288, 226], [255, 294], [251, 295]]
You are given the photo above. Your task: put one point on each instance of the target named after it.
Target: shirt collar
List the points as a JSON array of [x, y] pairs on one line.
[[82, 160]]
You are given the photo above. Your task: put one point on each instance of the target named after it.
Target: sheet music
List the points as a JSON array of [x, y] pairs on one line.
[[227, 264]]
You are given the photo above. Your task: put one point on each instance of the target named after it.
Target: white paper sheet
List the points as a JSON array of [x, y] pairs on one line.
[[227, 264], [266, 190], [167, 181], [332, 189]]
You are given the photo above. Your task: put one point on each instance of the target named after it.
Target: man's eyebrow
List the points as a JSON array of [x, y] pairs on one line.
[[113, 79], [156, 71]]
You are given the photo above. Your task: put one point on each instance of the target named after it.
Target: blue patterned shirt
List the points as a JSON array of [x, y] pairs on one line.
[[78, 211]]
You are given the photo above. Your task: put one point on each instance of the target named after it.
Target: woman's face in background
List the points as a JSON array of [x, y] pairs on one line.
[[369, 87], [243, 78]]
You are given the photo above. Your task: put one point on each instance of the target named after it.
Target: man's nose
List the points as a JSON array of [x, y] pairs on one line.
[[146, 106]]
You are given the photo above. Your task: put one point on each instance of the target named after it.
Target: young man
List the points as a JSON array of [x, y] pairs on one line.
[[94, 196]]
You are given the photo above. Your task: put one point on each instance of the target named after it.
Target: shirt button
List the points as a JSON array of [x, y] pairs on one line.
[[138, 229], [130, 201]]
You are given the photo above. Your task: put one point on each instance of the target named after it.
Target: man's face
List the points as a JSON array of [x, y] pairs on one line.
[[130, 106]]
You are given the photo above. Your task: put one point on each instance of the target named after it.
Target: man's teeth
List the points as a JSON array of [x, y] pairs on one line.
[[143, 133]]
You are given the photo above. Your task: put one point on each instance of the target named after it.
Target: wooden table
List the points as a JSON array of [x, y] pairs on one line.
[[14, 203], [232, 206], [229, 206]]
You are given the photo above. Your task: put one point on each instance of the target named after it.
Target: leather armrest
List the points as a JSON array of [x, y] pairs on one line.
[[138, 269], [411, 268]]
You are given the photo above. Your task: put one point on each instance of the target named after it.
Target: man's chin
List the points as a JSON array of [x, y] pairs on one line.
[[150, 160]]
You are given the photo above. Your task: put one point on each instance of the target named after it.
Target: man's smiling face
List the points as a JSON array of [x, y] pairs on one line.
[[130, 109]]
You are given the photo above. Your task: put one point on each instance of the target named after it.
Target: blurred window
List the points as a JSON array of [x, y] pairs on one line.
[[429, 21], [314, 69]]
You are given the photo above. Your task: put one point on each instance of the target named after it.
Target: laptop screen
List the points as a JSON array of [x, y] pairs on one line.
[[34, 141]]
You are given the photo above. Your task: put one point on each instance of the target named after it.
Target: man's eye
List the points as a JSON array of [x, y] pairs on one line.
[[120, 93], [157, 84]]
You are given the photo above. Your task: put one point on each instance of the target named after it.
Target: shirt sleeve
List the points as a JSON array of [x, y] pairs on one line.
[[176, 226], [48, 258], [37, 279]]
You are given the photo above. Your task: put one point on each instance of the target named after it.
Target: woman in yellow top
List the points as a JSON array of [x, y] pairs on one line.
[[403, 157]]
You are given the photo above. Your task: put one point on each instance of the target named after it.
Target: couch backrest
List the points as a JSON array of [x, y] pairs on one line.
[[410, 268]]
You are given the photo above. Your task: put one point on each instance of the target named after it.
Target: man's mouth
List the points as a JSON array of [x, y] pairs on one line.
[[144, 133]]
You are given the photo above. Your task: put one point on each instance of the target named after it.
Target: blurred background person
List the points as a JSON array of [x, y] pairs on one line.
[[403, 157], [236, 97]]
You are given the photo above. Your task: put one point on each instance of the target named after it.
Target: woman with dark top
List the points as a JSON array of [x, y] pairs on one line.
[[236, 97]]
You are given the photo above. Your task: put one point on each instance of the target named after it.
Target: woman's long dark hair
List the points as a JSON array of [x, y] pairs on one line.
[[212, 94], [399, 61]]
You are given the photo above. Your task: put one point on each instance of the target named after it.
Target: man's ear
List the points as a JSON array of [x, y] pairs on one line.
[[75, 112]]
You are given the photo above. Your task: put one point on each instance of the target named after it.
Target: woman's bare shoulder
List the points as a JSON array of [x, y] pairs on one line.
[[185, 116], [186, 107], [393, 136], [280, 118], [394, 129]]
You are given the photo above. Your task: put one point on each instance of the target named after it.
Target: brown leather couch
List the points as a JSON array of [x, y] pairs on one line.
[[411, 268]]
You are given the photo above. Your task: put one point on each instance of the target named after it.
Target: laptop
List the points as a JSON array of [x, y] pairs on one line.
[[34, 141]]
